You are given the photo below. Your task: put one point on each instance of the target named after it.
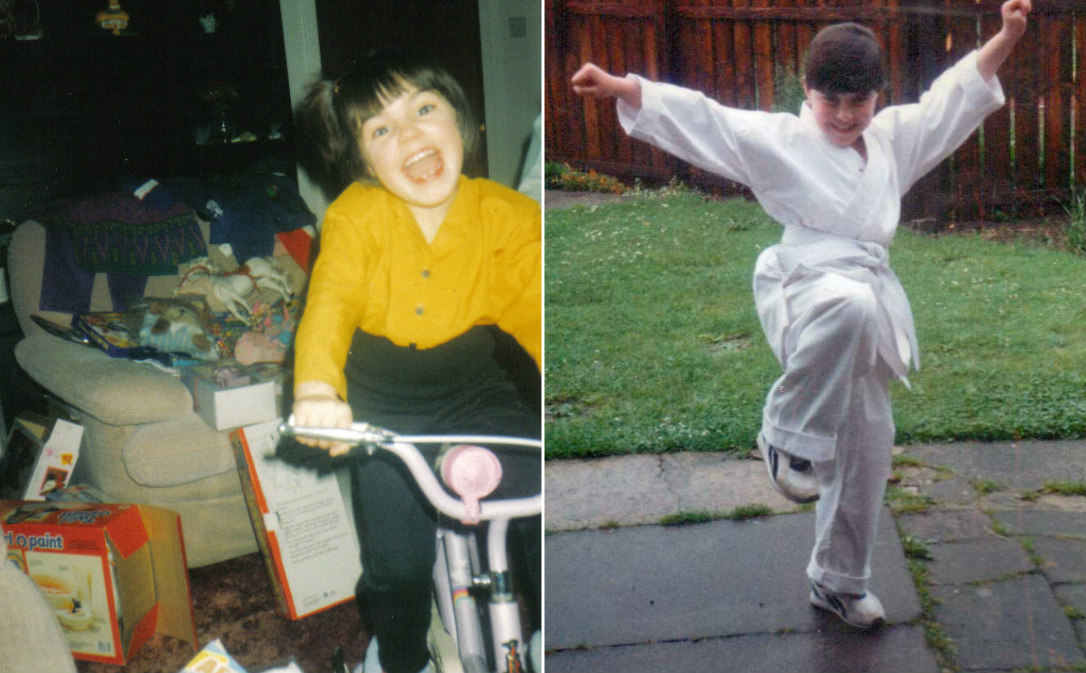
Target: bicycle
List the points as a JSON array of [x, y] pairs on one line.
[[472, 472]]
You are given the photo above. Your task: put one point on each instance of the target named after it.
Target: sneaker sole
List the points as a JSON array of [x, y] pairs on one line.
[[771, 460], [839, 611]]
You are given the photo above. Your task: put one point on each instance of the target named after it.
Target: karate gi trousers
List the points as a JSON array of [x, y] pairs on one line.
[[826, 319]]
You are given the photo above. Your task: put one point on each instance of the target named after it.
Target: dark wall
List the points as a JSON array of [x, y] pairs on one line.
[[80, 107]]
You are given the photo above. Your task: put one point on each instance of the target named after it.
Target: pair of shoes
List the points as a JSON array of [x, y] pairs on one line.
[[793, 477], [863, 611]]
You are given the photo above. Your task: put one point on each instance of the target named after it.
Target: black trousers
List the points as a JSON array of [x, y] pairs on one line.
[[457, 387]]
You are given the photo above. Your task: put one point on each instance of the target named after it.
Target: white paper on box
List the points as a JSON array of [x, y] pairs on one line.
[[308, 526], [225, 408], [56, 460], [82, 578]]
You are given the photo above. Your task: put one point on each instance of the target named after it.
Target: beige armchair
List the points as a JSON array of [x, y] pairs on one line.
[[142, 440]]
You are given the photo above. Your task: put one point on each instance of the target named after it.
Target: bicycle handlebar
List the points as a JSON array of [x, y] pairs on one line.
[[403, 446]]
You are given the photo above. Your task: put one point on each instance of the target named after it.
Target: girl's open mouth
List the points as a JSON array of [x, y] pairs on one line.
[[424, 166]]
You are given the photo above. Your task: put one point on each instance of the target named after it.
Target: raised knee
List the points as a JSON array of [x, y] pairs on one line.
[[857, 306]]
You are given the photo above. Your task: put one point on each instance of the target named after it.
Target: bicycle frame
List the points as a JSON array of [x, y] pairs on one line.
[[455, 573]]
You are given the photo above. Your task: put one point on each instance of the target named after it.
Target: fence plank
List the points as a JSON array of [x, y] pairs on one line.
[[724, 41], [785, 56], [552, 65], [928, 199], [698, 61], [763, 59], [967, 175], [1080, 100], [744, 60], [805, 32], [998, 166], [1027, 129], [895, 49], [1056, 64]]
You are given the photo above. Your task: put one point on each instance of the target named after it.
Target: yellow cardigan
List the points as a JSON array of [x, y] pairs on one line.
[[376, 272]]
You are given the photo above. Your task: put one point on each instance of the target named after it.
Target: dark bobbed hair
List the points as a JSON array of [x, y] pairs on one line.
[[845, 58], [331, 115]]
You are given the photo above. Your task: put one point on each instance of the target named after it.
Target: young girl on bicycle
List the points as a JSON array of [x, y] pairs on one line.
[[417, 266]]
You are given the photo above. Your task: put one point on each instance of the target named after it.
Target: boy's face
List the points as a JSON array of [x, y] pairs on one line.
[[842, 116], [414, 149]]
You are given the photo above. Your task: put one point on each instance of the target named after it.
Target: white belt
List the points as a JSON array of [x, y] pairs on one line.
[[866, 262]]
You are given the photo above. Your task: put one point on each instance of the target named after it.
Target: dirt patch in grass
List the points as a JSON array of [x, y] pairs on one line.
[[556, 198], [1049, 231], [566, 407]]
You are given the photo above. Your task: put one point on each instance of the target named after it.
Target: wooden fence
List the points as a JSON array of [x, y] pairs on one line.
[[1027, 159]]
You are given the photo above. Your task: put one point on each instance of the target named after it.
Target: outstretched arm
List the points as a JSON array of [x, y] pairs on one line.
[[995, 50], [591, 80]]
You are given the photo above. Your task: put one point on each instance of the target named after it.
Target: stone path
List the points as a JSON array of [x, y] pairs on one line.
[[979, 567]]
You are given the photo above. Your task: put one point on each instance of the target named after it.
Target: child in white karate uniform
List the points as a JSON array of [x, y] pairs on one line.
[[834, 313]]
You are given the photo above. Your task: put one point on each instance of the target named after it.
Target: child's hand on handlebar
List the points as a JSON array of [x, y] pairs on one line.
[[316, 404]]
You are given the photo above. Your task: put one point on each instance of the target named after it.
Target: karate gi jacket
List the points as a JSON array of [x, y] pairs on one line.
[[839, 214]]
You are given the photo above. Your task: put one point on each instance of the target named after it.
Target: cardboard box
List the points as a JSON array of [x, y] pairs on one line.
[[40, 456], [55, 461], [305, 532], [115, 574], [24, 444], [231, 399]]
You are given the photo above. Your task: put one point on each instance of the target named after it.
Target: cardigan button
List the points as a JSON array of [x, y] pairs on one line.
[[425, 273]]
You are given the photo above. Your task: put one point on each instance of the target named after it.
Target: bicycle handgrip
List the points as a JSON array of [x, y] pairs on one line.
[[347, 435]]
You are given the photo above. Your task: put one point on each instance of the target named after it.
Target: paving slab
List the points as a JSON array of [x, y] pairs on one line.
[[1080, 629], [642, 489], [643, 584], [605, 491], [1072, 596], [977, 560], [946, 525], [1064, 559], [1012, 624], [1023, 466], [898, 649], [952, 491], [714, 482], [1042, 522]]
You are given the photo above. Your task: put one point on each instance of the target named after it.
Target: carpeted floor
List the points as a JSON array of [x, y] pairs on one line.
[[233, 601]]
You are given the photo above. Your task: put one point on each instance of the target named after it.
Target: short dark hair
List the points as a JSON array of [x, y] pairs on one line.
[[334, 111], [845, 58]]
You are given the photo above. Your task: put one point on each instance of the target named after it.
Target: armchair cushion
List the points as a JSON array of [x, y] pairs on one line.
[[113, 390], [177, 452]]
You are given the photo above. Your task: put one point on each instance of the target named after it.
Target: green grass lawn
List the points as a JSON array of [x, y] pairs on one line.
[[653, 344]]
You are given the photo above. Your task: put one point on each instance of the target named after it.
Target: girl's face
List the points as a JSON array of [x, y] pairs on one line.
[[414, 149], [842, 116]]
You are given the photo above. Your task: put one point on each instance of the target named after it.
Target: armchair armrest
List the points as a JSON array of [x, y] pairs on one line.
[[113, 390]]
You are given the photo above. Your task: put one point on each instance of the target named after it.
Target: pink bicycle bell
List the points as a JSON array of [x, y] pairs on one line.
[[472, 472]]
